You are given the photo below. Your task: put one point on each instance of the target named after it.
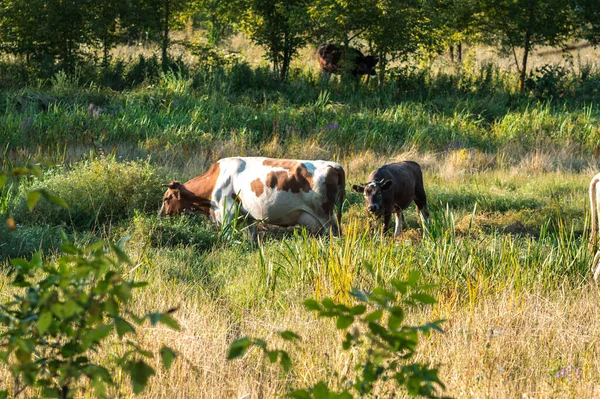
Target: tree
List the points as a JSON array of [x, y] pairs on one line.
[[390, 42], [525, 24], [588, 13], [281, 26]]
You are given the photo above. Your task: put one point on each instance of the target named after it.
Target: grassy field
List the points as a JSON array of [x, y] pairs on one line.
[[506, 248]]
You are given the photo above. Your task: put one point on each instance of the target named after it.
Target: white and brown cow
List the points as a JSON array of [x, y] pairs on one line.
[[595, 214], [281, 192], [391, 189]]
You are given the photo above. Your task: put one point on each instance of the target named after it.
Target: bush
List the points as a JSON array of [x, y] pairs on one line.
[[98, 192], [375, 329], [185, 230], [548, 82]]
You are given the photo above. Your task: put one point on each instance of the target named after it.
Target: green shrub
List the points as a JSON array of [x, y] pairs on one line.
[[375, 329], [98, 192], [185, 230], [64, 312], [25, 241]]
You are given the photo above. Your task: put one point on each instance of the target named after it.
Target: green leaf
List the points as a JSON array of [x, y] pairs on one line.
[[413, 277], [238, 348], [328, 303], [299, 394], [32, 198], [288, 335], [121, 255], [320, 391], [54, 199], [423, 298], [285, 361], [3, 394], [123, 327], [344, 321], [358, 310], [96, 335], [400, 286], [3, 179], [167, 355], [311, 304], [140, 373], [374, 316], [394, 322], [169, 321], [272, 355], [44, 322]]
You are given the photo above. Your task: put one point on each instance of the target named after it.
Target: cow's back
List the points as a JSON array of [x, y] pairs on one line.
[[405, 176], [280, 190]]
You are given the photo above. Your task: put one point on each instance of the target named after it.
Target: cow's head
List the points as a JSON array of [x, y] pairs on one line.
[[366, 65], [374, 193], [174, 201]]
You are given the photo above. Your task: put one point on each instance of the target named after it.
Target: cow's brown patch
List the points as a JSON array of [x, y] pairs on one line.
[[199, 190], [296, 179], [281, 163], [257, 187], [334, 189]]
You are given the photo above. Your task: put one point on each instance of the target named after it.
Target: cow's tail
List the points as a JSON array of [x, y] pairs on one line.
[[595, 210]]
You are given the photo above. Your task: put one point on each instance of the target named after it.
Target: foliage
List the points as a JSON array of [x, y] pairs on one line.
[[98, 191], [279, 26], [375, 328], [548, 81], [525, 24], [65, 311]]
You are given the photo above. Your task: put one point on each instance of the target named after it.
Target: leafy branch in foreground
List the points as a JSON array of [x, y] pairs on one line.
[[64, 313], [65, 310], [376, 329]]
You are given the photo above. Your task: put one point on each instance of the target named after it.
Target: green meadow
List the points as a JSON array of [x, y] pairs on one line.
[[506, 249]]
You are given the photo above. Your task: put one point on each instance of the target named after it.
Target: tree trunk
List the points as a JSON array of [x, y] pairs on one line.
[[382, 65], [165, 43], [451, 52], [527, 46], [287, 55], [106, 55], [459, 52]]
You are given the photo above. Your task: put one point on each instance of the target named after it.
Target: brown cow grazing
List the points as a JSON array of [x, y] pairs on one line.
[[595, 214], [282, 192], [391, 189], [336, 59]]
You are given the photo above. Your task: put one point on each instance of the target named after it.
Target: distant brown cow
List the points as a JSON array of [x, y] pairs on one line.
[[282, 192], [336, 59], [391, 189]]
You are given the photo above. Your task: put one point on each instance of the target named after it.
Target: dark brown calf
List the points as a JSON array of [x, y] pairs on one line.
[[391, 189], [337, 59]]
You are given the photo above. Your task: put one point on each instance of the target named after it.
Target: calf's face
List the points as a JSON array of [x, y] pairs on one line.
[[374, 193]]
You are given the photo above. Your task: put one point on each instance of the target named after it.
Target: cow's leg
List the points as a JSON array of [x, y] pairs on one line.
[[596, 266], [312, 224], [421, 201], [387, 218], [399, 223]]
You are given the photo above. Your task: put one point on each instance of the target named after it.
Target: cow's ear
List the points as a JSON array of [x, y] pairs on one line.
[[386, 185], [358, 189], [173, 185]]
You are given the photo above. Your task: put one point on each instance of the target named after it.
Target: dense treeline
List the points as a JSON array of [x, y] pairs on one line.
[[52, 35]]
